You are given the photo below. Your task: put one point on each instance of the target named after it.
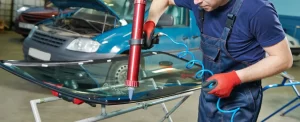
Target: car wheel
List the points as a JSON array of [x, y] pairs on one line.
[[118, 73]]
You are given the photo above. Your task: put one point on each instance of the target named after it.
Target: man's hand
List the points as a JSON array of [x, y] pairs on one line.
[[148, 35], [221, 84]]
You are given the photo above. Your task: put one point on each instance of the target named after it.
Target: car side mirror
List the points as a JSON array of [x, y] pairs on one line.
[[165, 20]]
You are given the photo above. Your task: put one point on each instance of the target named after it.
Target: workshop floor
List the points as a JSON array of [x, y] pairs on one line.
[[16, 93]]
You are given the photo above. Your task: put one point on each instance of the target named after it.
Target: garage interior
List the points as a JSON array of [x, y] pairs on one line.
[[16, 93]]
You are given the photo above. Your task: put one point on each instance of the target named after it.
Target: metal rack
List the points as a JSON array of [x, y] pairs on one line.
[[141, 105], [288, 80]]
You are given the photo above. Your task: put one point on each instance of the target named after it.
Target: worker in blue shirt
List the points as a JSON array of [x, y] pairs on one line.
[[235, 37]]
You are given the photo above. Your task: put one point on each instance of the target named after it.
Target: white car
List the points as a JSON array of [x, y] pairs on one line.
[[295, 47]]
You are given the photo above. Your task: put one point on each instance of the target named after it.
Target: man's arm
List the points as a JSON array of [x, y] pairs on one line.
[[157, 8], [279, 59], [268, 31], [265, 27]]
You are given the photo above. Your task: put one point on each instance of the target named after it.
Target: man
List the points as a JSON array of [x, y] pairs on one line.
[[235, 35]]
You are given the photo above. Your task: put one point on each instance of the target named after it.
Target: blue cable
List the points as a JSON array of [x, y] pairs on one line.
[[200, 73]]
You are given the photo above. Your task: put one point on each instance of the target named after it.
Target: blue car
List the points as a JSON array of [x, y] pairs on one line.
[[102, 28]]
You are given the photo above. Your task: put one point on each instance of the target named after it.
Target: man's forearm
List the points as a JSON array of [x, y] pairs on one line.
[[271, 65], [267, 67], [157, 8]]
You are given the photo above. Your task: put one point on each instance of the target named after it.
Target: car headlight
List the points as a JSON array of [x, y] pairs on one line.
[[22, 9], [84, 45]]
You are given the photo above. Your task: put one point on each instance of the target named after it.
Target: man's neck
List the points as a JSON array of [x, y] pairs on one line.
[[224, 2]]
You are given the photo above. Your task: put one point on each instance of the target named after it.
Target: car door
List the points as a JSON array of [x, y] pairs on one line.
[[179, 32], [194, 44]]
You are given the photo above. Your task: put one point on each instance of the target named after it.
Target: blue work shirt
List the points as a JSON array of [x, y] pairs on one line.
[[257, 26]]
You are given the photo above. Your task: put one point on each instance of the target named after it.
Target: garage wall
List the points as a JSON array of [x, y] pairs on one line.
[[20, 3], [291, 25], [289, 15], [5, 10], [287, 7], [8, 8]]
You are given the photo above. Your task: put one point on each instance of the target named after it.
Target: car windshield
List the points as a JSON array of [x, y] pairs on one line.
[[161, 75], [123, 8], [94, 15]]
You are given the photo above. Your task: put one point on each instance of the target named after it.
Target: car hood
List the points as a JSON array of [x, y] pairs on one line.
[[40, 10], [92, 4]]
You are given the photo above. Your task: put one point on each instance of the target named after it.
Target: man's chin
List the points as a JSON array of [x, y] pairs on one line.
[[208, 9]]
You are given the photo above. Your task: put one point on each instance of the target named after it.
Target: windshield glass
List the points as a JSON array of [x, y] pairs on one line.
[[160, 75], [96, 16], [123, 8]]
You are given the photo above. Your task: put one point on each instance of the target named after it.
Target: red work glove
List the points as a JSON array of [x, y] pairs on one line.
[[221, 84], [148, 35]]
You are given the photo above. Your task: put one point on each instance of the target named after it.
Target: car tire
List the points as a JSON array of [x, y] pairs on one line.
[[118, 72]]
